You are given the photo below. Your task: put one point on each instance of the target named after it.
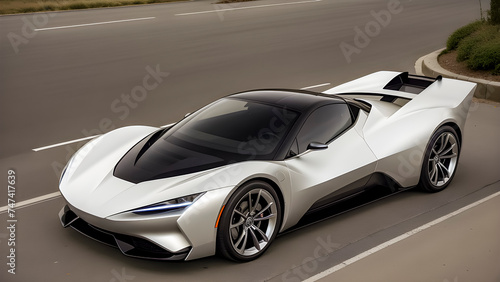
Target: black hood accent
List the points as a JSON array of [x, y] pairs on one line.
[[145, 162]]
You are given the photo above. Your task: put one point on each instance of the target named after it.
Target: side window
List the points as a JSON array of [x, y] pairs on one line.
[[324, 124]]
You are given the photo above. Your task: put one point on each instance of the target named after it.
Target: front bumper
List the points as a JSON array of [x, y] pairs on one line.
[[184, 235], [131, 246]]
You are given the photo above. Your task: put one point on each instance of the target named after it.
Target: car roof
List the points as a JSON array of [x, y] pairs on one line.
[[300, 100]]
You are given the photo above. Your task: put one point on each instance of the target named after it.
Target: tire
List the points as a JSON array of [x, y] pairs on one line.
[[249, 222], [440, 160]]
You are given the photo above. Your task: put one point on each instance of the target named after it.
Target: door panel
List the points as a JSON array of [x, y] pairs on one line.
[[315, 174]]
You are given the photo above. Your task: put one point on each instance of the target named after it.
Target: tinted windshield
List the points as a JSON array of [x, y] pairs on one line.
[[234, 126], [228, 130]]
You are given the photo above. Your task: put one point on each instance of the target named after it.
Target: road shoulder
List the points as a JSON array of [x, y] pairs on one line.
[[464, 247]]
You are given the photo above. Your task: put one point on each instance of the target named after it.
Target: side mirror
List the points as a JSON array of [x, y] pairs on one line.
[[316, 146]]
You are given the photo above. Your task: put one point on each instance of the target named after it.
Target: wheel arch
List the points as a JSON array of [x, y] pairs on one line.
[[267, 180], [455, 127], [449, 123], [458, 133], [274, 185]]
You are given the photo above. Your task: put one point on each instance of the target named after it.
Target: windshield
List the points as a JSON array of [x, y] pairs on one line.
[[229, 130], [234, 126]]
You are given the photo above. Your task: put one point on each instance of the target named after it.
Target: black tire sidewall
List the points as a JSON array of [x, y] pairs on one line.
[[224, 246]]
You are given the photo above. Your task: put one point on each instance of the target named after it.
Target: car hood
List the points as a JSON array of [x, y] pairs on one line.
[[88, 182]]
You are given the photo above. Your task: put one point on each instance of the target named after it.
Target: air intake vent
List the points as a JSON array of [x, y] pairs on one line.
[[410, 83]]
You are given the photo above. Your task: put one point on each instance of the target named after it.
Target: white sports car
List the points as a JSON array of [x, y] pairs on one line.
[[231, 176]]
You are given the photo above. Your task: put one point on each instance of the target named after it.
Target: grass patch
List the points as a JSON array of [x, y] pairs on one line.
[[31, 6], [477, 45]]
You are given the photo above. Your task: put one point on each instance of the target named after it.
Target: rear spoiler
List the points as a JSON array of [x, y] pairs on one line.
[[422, 91], [389, 85]]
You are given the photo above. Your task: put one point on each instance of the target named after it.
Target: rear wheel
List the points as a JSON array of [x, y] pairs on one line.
[[249, 222], [440, 160]]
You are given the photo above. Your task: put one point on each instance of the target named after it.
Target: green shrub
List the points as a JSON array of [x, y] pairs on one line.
[[461, 33], [466, 47], [483, 34], [486, 56], [478, 45]]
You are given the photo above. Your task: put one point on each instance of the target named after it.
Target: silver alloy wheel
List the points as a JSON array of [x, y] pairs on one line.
[[443, 159], [253, 222]]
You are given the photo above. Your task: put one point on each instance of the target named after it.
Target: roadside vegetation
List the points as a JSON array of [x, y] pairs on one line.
[[231, 1], [29, 6], [476, 46]]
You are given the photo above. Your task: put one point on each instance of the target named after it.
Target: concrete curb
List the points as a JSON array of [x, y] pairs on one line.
[[428, 65]]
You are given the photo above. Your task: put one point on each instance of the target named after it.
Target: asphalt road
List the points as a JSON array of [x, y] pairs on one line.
[[470, 262], [64, 84]]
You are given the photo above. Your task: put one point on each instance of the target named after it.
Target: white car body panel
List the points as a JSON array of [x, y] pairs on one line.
[[390, 139], [331, 168], [398, 146]]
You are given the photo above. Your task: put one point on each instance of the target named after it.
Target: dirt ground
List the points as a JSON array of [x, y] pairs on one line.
[[449, 62]]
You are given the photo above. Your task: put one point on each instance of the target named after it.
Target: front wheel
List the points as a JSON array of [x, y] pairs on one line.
[[249, 222], [440, 160]]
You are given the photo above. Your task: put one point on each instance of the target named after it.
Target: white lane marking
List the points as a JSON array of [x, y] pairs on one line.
[[90, 24], [248, 7], [315, 86], [78, 140], [32, 201], [395, 240], [64, 143]]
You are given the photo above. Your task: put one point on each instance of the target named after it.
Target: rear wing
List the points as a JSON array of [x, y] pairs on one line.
[[386, 83], [423, 92]]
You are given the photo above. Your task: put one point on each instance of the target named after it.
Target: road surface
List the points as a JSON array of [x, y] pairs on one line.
[[83, 73]]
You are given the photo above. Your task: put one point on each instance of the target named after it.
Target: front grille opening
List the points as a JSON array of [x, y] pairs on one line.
[[128, 245]]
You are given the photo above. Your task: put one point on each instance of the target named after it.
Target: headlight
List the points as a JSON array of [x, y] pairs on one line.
[[170, 205]]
